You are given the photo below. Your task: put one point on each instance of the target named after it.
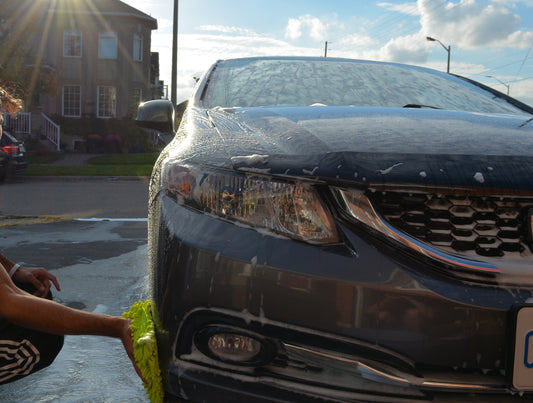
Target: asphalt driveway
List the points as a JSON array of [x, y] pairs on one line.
[[101, 267], [70, 198]]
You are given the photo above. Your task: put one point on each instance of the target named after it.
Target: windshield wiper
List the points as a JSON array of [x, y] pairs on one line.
[[420, 106]]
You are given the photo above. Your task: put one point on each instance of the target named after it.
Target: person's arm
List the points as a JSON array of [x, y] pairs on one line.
[[47, 316], [5, 262], [38, 276]]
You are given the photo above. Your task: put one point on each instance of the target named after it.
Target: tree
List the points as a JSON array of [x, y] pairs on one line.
[[22, 72], [8, 103]]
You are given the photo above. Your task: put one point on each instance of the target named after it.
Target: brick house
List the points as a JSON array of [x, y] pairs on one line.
[[100, 50]]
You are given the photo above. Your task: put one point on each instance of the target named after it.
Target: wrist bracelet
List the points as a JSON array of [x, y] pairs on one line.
[[13, 269]]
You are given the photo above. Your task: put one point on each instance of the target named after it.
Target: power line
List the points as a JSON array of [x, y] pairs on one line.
[[383, 27], [522, 65], [521, 79], [501, 66]]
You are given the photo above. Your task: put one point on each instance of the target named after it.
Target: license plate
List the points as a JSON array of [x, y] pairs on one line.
[[523, 355]]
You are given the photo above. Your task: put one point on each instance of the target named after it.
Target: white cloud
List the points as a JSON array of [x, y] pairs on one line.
[[405, 8], [224, 29], [164, 24], [199, 51], [464, 69], [467, 24], [518, 39], [513, 3], [306, 25], [470, 24], [403, 49], [358, 41], [294, 29], [522, 90]]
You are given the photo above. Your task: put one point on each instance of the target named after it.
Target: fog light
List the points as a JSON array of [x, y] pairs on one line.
[[234, 347]]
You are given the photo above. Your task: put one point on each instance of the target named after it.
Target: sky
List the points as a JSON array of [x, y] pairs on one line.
[[491, 41]]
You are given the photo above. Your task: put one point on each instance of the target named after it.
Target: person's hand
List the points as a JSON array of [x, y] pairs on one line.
[[127, 340], [39, 277]]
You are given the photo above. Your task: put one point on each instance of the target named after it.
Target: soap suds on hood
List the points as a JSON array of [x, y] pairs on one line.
[[388, 170], [249, 160], [307, 172]]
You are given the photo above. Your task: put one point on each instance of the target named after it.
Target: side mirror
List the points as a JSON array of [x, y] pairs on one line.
[[157, 115]]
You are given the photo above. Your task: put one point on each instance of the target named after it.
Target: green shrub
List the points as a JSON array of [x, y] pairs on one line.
[[132, 138]]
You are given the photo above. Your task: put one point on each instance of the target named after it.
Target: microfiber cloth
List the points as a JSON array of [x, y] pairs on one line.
[[145, 348]]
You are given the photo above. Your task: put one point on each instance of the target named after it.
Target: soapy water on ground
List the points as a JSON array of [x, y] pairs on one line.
[[91, 368]]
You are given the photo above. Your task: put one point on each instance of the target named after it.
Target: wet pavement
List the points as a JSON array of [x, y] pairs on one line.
[[75, 198], [101, 267]]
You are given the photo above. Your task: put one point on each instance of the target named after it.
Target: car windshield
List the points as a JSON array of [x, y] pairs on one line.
[[297, 82]]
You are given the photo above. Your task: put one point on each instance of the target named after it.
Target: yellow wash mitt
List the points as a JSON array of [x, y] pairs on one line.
[[145, 348]]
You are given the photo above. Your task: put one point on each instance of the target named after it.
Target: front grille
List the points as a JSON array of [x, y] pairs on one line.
[[490, 226]]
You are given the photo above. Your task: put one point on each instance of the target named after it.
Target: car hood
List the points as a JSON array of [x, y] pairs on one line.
[[368, 145]]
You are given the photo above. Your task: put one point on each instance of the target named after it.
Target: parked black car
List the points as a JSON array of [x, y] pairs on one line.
[[12, 155], [343, 230]]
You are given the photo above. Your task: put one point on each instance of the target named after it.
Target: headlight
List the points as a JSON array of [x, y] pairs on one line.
[[291, 209]]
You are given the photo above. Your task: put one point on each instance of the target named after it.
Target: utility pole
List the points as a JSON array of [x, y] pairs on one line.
[[174, 80], [501, 82], [326, 49]]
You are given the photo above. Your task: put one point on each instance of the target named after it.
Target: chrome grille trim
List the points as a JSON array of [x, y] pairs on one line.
[[360, 207], [380, 373], [486, 226]]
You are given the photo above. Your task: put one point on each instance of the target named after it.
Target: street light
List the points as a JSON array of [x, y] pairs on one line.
[[501, 82], [448, 49]]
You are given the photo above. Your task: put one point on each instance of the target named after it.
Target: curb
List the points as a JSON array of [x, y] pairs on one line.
[[18, 179], [12, 222]]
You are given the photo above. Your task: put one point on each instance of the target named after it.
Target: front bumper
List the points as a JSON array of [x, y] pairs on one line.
[[309, 365], [353, 322]]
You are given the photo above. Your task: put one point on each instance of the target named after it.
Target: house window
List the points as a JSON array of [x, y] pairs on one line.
[[107, 45], [107, 102], [72, 43], [137, 48], [72, 101], [135, 100]]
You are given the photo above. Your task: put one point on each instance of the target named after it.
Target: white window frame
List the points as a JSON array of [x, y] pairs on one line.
[[107, 45], [138, 47], [66, 100], [109, 107], [70, 35]]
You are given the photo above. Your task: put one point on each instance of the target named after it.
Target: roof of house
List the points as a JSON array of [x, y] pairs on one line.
[[102, 7]]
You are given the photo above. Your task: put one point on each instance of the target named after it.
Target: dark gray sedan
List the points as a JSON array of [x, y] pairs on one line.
[[12, 155], [343, 230]]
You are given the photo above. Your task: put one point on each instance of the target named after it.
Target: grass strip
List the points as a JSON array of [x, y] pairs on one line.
[[123, 159], [88, 170], [100, 165]]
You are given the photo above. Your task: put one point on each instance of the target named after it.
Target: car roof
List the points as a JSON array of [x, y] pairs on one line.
[[328, 59]]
